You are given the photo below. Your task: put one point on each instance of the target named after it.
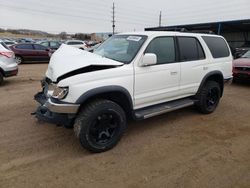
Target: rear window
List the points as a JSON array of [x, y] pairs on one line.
[[190, 49], [217, 46]]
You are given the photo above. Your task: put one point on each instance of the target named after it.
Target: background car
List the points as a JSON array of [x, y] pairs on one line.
[[241, 50], [77, 43], [9, 43], [241, 67], [30, 52], [25, 40], [53, 45], [8, 66]]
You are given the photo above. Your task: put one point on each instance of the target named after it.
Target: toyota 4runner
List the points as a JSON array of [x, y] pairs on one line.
[[132, 75]]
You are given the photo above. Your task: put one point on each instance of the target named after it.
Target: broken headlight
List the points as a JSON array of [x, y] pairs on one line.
[[60, 92]]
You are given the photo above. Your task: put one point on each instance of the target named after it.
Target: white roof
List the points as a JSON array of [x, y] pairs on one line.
[[164, 33]]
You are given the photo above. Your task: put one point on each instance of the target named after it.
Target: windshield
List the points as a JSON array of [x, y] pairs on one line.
[[122, 48], [246, 55]]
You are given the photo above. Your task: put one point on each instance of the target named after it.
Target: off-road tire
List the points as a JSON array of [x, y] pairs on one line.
[[1, 78], [90, 115], [202, 97]]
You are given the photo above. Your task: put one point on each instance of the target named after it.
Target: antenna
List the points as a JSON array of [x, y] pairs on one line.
[[160, 19], [113, 17]]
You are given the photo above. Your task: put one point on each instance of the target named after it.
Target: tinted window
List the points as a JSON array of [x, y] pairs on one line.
[[25, 46], [54, 44], [45, 44], [217, 46], [164, 48], [39, 47], [74, 43], [190, 49], [9, 43]]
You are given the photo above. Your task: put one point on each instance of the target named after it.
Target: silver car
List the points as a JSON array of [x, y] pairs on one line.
[[8, 65]]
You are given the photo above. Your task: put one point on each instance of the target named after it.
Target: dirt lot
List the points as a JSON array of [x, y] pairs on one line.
[[180, 149]]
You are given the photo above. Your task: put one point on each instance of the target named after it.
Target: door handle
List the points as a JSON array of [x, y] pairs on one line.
[[173, 73]]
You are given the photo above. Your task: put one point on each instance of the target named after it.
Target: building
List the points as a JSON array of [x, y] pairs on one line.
[[237, 32]]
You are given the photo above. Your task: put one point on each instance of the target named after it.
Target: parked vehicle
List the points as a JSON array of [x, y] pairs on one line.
[[53, 45], [241, 50], [77, 44], [25, 40], [30, 52], [10, 43], [132, 75], [93, 48], [241, 67], [8, 66]]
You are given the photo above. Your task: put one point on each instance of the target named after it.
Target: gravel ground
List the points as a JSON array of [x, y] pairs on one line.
[[179, 149]]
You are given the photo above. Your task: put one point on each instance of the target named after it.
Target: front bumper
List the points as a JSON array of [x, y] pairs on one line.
[[53, 111]]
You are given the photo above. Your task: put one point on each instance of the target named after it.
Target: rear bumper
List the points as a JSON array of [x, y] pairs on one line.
[[56, 112], [228, 80], [11, 73]]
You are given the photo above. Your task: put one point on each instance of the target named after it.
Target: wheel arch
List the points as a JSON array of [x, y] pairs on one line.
[[2, 72], [117, 94], [216, 76]]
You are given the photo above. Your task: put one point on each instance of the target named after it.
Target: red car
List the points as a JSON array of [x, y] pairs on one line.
[[28, 52], [241, 67]]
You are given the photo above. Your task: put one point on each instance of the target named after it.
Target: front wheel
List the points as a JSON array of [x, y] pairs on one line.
[[100, 125], [1, 78], [209, 97], [18, 59]]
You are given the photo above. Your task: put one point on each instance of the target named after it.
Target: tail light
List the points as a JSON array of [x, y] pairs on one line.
[[7, 54]]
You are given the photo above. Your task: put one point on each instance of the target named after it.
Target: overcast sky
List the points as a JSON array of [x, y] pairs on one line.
[[89, 16]]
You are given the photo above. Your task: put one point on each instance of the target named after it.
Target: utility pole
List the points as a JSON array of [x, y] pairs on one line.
[[113, 18], [160, 19]]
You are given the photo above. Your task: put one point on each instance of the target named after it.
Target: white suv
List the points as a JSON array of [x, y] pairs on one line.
[[132, 75], [8, 65]]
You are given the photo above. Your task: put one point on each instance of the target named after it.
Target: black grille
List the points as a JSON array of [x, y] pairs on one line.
[[243, 68]]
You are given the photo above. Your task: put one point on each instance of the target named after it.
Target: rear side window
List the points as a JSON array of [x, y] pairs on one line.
[[45, 44], [54, 44], [190, 49], [163, 48], [25, 46], [217, 46], [39, 47]]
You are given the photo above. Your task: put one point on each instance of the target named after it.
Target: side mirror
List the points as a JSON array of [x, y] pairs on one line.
[[47, 49], [148, 59]]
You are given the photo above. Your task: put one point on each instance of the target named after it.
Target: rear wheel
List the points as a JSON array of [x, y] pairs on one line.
[[18, 59], [100, 125], [209, 97], [1, 78]]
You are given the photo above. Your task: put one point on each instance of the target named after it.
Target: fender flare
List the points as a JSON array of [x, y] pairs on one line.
[[206, 78], [105, 89]]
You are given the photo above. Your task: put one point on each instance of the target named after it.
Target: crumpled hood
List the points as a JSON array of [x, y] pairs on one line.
[[67, 59]]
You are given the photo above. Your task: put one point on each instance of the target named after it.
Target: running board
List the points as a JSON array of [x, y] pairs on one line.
[[163, 108]]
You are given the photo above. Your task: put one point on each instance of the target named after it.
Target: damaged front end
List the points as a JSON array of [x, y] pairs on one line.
[[53, 110]]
